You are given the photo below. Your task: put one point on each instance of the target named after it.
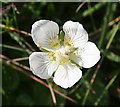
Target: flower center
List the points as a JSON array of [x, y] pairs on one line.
[[62, 54]]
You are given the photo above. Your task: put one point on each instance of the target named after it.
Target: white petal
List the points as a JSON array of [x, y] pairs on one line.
[[75, 34], [41, 65], [67, 75], [43, 32], [89, 55]]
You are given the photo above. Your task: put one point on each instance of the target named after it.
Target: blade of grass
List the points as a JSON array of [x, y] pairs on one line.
[[113, 57], [104, 27], [114, 30], [91, 16], [12, 47], [106, 88], [14, 15], [93, 9], [18, 40]]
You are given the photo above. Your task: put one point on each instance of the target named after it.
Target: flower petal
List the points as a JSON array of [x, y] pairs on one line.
[[41, 65], [88, 56], [67, 75], [45, 34], [75, 34]]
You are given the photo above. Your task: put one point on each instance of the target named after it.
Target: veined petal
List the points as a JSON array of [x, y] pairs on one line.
[[67, 75], [42, 65], [45, 34], [75, 34], [87, 56]]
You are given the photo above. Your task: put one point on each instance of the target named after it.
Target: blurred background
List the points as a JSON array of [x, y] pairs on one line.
[[100, 85]]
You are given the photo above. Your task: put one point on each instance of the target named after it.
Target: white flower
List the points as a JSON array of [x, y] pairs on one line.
[[61, 61]]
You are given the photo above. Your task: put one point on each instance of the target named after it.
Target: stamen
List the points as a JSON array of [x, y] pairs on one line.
[[64, 60], [67, 41], [56, 45], [52, 56], [54, 42]]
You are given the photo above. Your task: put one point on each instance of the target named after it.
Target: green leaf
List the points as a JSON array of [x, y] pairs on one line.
[[113, 57]]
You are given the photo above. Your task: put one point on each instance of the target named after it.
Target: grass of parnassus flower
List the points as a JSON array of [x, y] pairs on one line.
[[99, 84]]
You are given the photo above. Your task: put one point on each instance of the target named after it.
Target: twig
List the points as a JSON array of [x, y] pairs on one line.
[[15, 29], [52, 94], [20, 59], [33, 77], [14, 62], [80, 6], [109, 25], [114, 21]]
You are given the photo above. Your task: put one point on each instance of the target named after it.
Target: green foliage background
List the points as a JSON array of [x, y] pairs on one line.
[[20, 89]]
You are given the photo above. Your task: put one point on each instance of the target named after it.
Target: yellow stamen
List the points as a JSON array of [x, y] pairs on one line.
[[54, 42], [55, 45], [64, 60], [52, 56], [67, 41]]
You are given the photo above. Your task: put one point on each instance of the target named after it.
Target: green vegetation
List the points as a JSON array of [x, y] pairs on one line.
[[100, 85]]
